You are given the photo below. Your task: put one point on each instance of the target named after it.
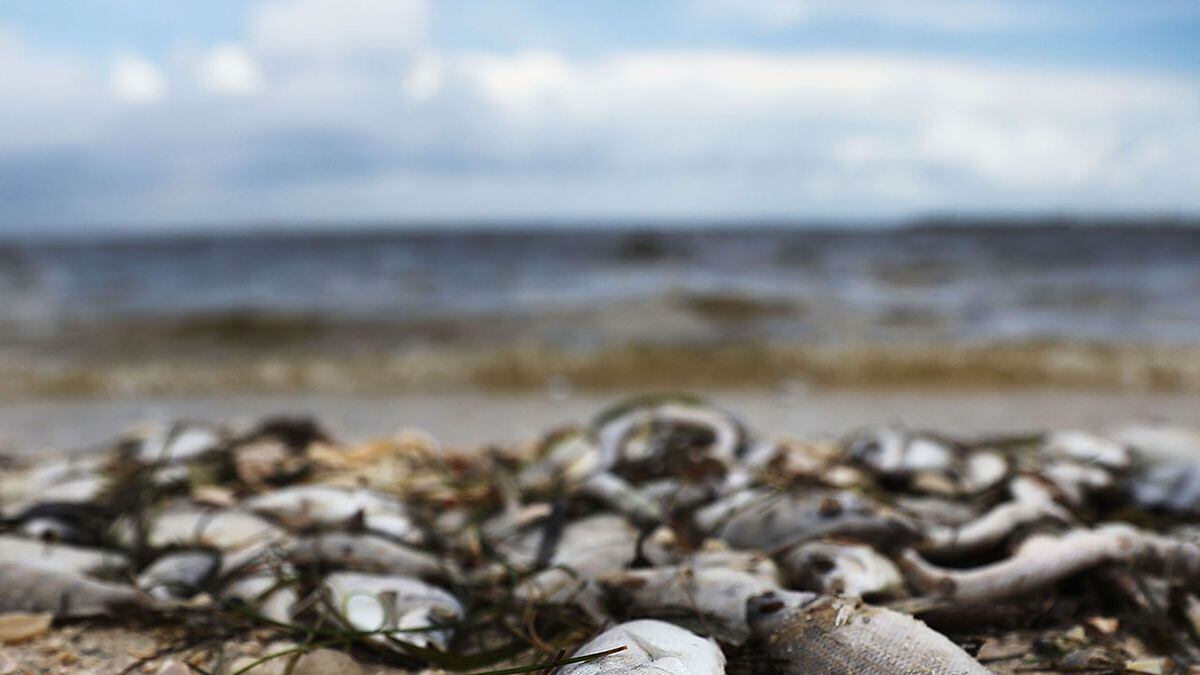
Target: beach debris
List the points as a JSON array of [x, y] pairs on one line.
[[784, 519], [1031, 502], [61, 557], [1063, 550], [648, 647], [179, 575], [1043, 560], [21, 626], [365, 553], [394, 608], [833, 568], [305, 507], [585, 550], [26, 588], [710, 597], [817, 635], [185, 524]]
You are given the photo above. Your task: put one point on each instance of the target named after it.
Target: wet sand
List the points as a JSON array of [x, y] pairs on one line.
[[468, 418]]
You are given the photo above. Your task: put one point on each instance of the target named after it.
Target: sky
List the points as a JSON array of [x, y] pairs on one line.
[[172, 114]]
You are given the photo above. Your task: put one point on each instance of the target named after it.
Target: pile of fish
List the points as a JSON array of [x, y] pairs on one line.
[[664, 537]]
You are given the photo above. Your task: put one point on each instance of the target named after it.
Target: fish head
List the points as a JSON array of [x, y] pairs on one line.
[[766, 612]]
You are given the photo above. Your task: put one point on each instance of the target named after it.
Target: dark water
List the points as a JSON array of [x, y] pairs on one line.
[[1139, 284]]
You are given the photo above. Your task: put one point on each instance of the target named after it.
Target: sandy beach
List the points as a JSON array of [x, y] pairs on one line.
[[469, 418]]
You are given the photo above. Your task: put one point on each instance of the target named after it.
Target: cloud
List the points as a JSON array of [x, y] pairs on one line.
[[229, 69], [936, 15], [336, 28], [136, 80], [357, 113]]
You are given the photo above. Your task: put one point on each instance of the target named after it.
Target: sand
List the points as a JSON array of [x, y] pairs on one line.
[[468, 418]]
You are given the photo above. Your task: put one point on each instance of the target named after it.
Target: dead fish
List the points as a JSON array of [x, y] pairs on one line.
[[704, 596], [1076, 482], [568, 458], [180, 442], [80, 493], [712, 517], [614, 492], [1160, 442], [306, 506], [651, 647], [1172, 487], [193, 526], [268, 593], [28, 588], [809, 635], [57, 472], [1031, 502], [841, 569], [179, 575], [926, 462], [61, 557], [895, 452], [672, 495], [1043, 560], [788, 518], [55, 530], [368, 602], [1086, 448], [364, 552], [586, 549], [652, 437]]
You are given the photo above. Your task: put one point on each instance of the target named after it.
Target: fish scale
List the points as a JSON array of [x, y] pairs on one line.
[[839, 636]]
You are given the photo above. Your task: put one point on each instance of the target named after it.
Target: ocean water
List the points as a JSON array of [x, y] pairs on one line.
[[365, 292]]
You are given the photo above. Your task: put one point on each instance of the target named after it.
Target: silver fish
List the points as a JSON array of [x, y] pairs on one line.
[[587, 549], [569, 458], [616, 493], [1043, 560], [28, 588], [712, 597], [1086, 448], [1031, 502], [788, 518], [190, 525], [177, 576], [804, 635], [928, 463], [265, 593], [894, 451], [635, 437], [651, 648], [180, 442], [60, 557], [841, 569], [369, 602], [365, 553], [305, 506]]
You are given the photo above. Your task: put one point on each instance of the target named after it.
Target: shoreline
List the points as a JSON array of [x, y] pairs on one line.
[[528, 366]]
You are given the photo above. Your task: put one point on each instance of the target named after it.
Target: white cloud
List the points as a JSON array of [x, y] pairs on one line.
[[424, 79], [136, 80], [324, 28], [229, 69], [357, 115], [939, 15]]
